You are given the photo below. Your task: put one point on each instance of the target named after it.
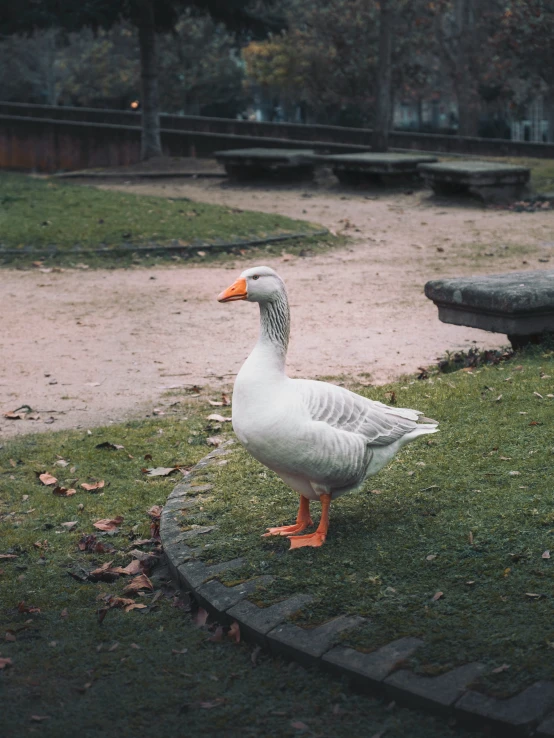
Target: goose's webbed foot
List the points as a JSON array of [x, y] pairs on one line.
[[303, 520]]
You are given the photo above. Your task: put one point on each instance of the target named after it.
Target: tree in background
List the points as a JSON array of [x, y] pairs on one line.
[[464, 31], [343, 58], [200, 70], [101, 69], [149, 17], [524, 40], [31, 70]]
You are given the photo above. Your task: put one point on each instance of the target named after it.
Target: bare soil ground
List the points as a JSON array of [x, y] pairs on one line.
[[85, 348]]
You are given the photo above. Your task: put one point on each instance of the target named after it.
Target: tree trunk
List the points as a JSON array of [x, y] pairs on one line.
[[549, 114], [150, 143], [468, 102], [380, 138]]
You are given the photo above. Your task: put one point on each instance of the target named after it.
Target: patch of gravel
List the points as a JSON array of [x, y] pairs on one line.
[[92, 347]]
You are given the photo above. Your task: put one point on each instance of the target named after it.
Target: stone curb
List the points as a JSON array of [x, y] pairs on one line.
[[83, 174], [529, 713], [167, 249]]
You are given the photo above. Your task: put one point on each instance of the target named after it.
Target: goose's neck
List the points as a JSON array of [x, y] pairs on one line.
[[274, 333]]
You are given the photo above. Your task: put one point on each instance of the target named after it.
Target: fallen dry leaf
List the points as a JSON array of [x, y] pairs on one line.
[[110, 445], [39, 718], [214, 441], [156, 597], [201, 617], [90, 544], [500, 669], [533, 595], [254, 655], [160, 471], [234, 631], [5, 662], [47, 479], [63, 492], [135, 606], [139, 582], [155, 511], [105, 573], [64, 613], [219, 418], [431, 557], [144, 541], [142, 555], [437, 596], [70, 524], [119, 601], [23, 608], [13, 416], [214, 703], [298, 725], [8, 556], [176, 652], [546, 554], [133, 568], [213, 403], [92, 487], [108, 523]]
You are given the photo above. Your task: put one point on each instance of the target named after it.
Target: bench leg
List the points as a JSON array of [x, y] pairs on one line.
[[519, 341]]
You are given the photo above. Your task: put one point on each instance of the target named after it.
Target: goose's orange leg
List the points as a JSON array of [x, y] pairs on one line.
[[317, 538], [303, 520]]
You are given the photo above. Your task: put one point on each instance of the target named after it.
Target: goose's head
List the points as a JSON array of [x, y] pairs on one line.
[[258, 284]]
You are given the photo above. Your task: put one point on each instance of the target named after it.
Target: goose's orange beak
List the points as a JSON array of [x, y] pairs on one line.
[[237, 291]]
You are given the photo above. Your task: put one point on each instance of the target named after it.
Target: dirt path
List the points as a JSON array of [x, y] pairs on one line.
[[91, 347]]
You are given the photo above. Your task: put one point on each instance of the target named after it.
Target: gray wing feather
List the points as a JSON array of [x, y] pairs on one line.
[[379, 424]]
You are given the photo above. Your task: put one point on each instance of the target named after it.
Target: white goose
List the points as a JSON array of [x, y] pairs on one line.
[[322, 440]]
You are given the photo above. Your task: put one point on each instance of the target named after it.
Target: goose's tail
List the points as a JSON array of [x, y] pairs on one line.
[[421, 429]]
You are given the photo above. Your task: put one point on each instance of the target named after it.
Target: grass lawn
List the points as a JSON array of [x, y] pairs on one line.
[[41, 217], [542, 171], [148, 670], [450, 543]]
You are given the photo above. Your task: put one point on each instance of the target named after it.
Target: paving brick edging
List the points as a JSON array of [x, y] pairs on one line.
[[170, 174], [225, 246], [529, 713]]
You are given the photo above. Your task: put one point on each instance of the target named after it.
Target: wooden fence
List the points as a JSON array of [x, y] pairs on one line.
[[47, 138]]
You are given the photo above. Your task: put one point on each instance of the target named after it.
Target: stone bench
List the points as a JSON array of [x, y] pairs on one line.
[[373, 167], [487, 180], [520, 304], [243, 164]]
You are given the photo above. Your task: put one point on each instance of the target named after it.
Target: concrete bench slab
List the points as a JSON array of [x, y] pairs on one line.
[[520, 304], [369, 166], [487, 180], [260, 162]]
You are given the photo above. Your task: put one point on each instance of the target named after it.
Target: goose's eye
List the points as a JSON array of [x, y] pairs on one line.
[[255, 276]]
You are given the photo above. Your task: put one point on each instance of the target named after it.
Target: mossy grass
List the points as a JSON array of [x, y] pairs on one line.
[[146, 671], [542, 171], [64, 223], [448, 543]]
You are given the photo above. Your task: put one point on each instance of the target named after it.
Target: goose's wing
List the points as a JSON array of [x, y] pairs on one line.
[[379, 424]]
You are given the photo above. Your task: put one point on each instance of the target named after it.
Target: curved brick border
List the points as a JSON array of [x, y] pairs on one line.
[[172, 248], [169, 174], [530, 713]]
